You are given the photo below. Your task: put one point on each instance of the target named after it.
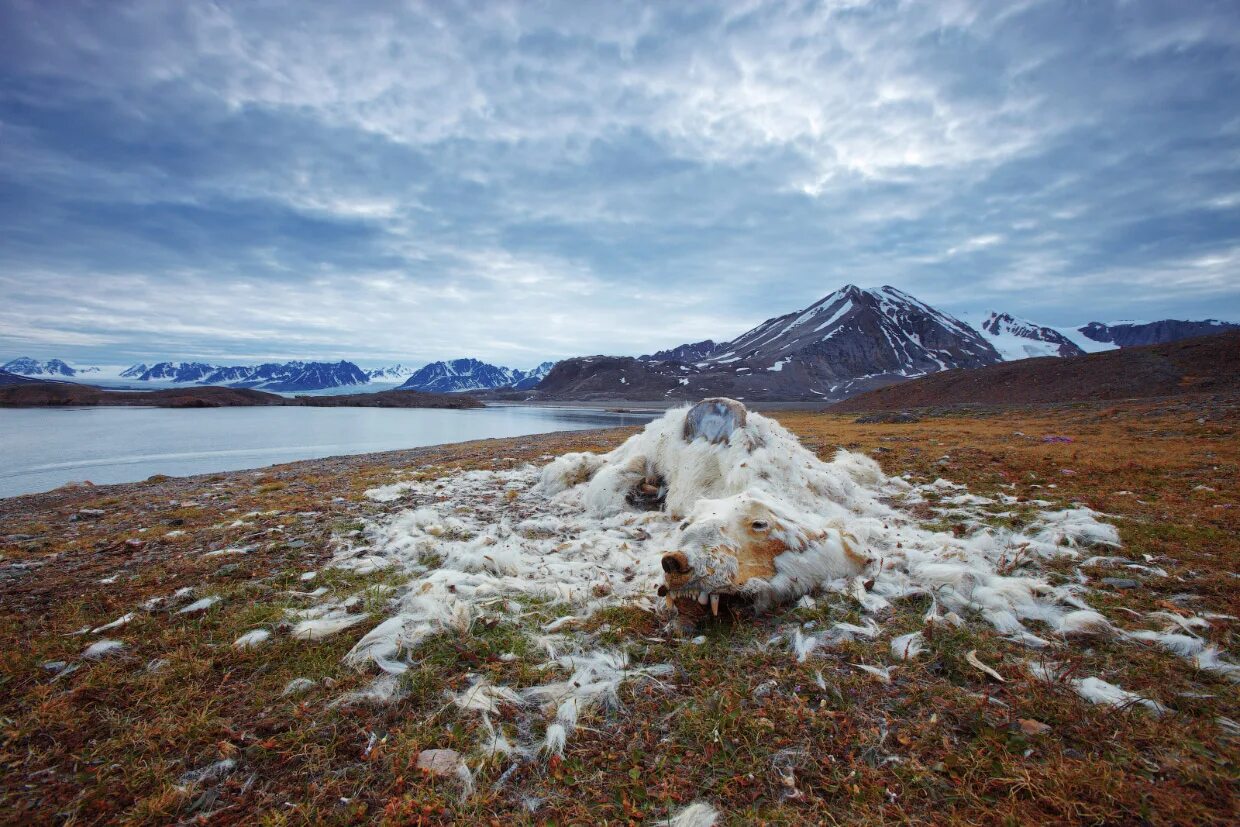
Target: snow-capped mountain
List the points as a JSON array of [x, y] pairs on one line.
[[524, 380], [460, 375], [391, 373], [1135, 334], [25, 366], [851, 340], [171, 372], [296, 376], [273, 376], [1017, 338]]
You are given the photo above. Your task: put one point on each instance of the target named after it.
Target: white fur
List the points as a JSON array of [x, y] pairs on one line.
[[500, 545], [252, 639], [697, 814]]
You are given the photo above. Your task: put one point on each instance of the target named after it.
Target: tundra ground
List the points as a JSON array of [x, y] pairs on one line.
[[126, 737]]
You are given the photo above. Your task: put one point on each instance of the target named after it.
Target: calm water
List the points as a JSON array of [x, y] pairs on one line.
[[42, 448]]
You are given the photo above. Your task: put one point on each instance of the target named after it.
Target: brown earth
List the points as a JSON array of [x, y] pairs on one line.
[[58, 394], [739, 723], [1207, 365]]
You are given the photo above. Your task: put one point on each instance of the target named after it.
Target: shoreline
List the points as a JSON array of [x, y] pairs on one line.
[[331, 465]]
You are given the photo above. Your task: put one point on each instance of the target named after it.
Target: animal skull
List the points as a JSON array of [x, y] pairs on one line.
[[750, 546]]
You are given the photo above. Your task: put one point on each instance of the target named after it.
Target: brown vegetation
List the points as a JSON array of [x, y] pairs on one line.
[[739, 724]]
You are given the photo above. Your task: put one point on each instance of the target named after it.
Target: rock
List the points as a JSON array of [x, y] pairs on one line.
[[87, 514], [298, 685], [442, 762], [887, 418], [1032, 727], [1121, 582]]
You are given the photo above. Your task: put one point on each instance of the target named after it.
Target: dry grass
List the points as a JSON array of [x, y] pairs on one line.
[[738, 724]]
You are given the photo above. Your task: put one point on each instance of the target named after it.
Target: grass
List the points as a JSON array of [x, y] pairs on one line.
[[766, 739]]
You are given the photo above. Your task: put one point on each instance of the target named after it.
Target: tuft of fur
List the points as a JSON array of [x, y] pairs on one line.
[[697, 814]]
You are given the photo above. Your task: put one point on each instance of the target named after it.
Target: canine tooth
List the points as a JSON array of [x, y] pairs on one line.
[[703, 597], [714, 604]]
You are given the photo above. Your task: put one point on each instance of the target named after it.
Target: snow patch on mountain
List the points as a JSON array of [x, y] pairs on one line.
[[1017, 338]]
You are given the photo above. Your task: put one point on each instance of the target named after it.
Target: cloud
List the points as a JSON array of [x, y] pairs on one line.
[[517, 181]]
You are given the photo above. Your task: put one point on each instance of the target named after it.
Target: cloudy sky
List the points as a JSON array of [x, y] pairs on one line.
[[516, 182]]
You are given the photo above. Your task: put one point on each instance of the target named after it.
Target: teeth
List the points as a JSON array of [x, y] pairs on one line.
[[714, 604], [703, 597]]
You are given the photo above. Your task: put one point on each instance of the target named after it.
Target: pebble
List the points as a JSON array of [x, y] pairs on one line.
[[298, 685]]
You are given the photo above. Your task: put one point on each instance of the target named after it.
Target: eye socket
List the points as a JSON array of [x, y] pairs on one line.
[[684, 525], [759, 525]]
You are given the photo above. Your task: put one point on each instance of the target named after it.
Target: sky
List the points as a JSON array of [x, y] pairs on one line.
[[406, 182]]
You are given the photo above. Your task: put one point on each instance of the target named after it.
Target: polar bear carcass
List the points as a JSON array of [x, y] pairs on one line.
[[762, 518]]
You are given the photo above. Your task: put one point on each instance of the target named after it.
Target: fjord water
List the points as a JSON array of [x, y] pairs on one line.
[[42, 448]]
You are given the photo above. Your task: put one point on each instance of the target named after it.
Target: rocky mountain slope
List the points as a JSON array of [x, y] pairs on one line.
[[1208, 364], [849, 341], [1135, 334], [694, 352], [7, 378], [25, 366]]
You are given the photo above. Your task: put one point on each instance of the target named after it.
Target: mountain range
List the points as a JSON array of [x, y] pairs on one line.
[[851, 341], [287, 376], [470, 375], [446, 377], [25, 366]]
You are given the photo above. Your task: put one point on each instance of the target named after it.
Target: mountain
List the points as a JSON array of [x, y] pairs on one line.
[[849, 341], [525, 380], [172, 372], [1017, 338], [391, 373], [1134, 334], [287, 376], [25, 366], [1208, 364], [458, 375], [695, 352], [296, 376]]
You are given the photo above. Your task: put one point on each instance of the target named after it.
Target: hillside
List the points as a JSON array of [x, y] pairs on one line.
[[1210, 364], [58, 394], [851, 340], [7, 378]]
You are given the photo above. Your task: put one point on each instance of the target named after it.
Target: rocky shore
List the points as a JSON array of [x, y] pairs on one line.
[[68, 394]]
